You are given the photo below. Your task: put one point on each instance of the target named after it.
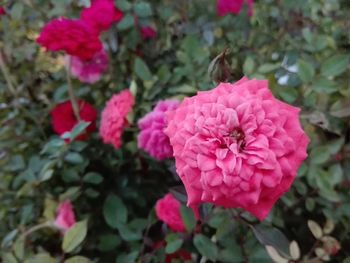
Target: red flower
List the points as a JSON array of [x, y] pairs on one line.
[[180, 255], [101, 15], [63, 119], [2, 11], [148, 32], [75, 37]]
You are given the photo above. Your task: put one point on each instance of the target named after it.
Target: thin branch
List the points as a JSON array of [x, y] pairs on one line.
[[7, 76], [72, 97]]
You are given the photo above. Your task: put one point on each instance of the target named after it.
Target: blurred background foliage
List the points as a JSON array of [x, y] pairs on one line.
[[301, 46]]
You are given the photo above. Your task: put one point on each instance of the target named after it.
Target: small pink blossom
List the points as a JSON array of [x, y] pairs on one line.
[[152, 138], [225, 7], [65, 218], [168, 211], [113, 118], [237, 146], [148, 32], [101, 15], [88, 71]]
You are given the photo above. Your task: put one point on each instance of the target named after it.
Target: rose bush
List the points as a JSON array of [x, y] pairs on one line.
[[97, 129]]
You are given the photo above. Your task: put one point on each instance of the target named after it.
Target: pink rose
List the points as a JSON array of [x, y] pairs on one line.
[[168, 211], [113, 117], [237, 146], [101, 15], [152, 138], [88, 71], [225, 7], [65, 218], [148, 32]]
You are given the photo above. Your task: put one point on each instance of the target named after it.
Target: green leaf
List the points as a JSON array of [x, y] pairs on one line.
[[141, 69], [41, 258], [127, 258], [19, 248], [7, 240], [78, 129], [188, 217], [108, 242], [270, 236], [335, 65], [74, 158], [17, 11], [129, 234], [143, 9], [126, 23], [205, 247], [114, 211], [78, 259], [93, 178], [305, 71], [248, 66], [268, 67], [173, 246], [9, 258], [74, 236], [320, 155]]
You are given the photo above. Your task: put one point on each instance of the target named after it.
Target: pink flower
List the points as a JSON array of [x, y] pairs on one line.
[[101, 15], [225, 7], [88, 71], [152, 138], [113, 117], [74, 37], [237, 146], [148, 32], [168, 211], [65, 218]]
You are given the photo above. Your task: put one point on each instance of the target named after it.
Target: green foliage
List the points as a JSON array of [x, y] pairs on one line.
[[301, 46]]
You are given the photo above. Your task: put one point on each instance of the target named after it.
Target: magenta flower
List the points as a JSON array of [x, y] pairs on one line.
[[168, 211], [75, 37], [225, 7], [88, 71], [148, 32], [101, 14], [113, 118], [65, 218], [237, 146], [152, 138]]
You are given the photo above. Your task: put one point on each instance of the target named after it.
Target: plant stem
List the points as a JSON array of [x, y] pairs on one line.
[[72, 97], [7, 76], [36, 228]]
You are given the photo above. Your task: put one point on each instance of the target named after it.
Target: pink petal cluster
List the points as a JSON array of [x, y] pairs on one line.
[[225, 7], [237, 146], [65, 218], [152, 138], [148, 32], [101, 15], [74, 37], [113, 117], [88, 71], [168, 211]]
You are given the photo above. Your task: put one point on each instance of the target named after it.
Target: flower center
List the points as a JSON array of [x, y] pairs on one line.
[[237, 136]]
